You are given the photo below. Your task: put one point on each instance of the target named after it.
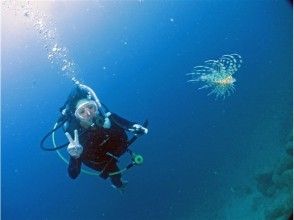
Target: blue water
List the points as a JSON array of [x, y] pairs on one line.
[[135, 56]]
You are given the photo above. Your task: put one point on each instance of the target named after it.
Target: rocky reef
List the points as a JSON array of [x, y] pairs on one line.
[[275, 188]]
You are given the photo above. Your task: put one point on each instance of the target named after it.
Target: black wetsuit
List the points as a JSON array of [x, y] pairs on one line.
[[101, 147]]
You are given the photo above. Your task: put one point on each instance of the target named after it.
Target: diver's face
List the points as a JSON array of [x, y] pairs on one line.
[[86, 112]]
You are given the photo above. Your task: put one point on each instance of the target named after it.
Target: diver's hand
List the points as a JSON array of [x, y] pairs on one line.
[[74, 148], [138, 129]]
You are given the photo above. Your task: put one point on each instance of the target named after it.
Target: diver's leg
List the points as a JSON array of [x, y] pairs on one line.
[[115, 179], [118, 183]]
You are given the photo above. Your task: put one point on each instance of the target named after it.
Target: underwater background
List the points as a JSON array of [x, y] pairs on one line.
[[203, 158]]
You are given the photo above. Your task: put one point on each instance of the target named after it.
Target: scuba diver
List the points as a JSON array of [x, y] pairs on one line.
[[97, 137]]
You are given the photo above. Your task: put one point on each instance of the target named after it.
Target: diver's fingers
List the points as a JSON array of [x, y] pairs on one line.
[[69, 137], [76, 136]]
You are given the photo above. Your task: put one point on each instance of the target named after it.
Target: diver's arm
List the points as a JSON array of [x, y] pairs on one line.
[[136, 129], [121, 121], [74, 167], [75, 150]]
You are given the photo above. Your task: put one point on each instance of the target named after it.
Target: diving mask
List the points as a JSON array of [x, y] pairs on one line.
[[86, 110]]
